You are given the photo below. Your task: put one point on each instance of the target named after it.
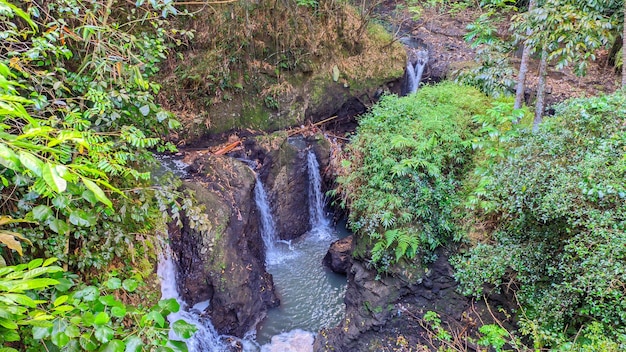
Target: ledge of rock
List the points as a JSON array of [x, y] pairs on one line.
[[223, 261]]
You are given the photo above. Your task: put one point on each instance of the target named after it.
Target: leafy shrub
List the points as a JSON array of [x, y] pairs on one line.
[[77, 119], [559, 204], [41, 310], [402, 171]]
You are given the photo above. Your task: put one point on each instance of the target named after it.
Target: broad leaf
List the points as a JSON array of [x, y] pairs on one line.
[[50, 174], [97, 191], [184, 329]]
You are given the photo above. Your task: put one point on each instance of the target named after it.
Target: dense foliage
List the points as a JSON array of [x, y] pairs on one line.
[[41, 297], [571, 32], [558, 202], [77, 119], [404, 167]]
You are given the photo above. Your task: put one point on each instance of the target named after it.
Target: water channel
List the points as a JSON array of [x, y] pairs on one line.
[[311, 295]]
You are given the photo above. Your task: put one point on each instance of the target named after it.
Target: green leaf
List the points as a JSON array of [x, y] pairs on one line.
[[49, 261], [8, 324], [90, 197], [30, 284], [133, 344], [113, 283], [60, 300], [156, 317], [184, 329], [50, 174], [87, 294], [35, 263], [101, 318], [20, 299], [60, 339], [103, 334], [9, 336], [80, 217], [8, 158], [169, 305], [118, 312], [72, 331], [60, 201], [87, 342], [113, 346], [31, 162], [21, 14], [42, 213], [59, 226], [110, 301], [130, 285], [41, 332], [179, 346], [97, 191], [88, 318], [64, 284]]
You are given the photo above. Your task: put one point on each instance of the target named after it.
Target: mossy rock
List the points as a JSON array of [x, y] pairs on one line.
[[216, 86]]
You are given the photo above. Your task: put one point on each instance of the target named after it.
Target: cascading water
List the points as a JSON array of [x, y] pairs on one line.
[[268, 229], [316, 197], [415, 71], [206, 338], [311, 295]]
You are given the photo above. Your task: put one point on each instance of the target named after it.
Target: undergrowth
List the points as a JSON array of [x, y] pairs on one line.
[[404, 168], [558, 202]]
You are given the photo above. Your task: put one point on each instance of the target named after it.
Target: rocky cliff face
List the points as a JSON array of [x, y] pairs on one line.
[[225, 263], [385, 313], [283, 170]]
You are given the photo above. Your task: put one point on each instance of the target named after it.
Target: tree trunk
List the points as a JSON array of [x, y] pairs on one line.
[[541, 89], [523, 68], [624, 50]]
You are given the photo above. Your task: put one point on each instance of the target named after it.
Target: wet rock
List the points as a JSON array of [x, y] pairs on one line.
[[339, 254], [381, 309], [283, 170], [223, 261]]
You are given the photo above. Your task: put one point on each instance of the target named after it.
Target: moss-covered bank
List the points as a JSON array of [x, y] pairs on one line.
[[274, 64]]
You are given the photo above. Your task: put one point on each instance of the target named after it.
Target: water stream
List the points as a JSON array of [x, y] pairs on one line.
[[311, 295], [415, 71], [206, 338]]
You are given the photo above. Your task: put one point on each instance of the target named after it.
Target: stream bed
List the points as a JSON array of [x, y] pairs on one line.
[[311, 295]]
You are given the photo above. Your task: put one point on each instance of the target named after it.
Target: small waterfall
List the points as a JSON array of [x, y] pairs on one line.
[[414, 71], [316, 197], [206, 339], [268, 229]]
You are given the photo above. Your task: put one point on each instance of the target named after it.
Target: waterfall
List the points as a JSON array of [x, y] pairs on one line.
[[317, 217], [414, 71], [268, 229], [206, 339]]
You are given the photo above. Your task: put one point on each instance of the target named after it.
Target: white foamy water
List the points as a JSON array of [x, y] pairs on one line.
[[317, 201], [311, 295], [206, 338], [293, 341]]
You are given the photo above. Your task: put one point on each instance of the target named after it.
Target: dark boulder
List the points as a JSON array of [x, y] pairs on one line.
[[339, 254]]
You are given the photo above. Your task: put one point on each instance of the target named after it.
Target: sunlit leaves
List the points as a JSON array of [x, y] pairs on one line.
[[572, 30]]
